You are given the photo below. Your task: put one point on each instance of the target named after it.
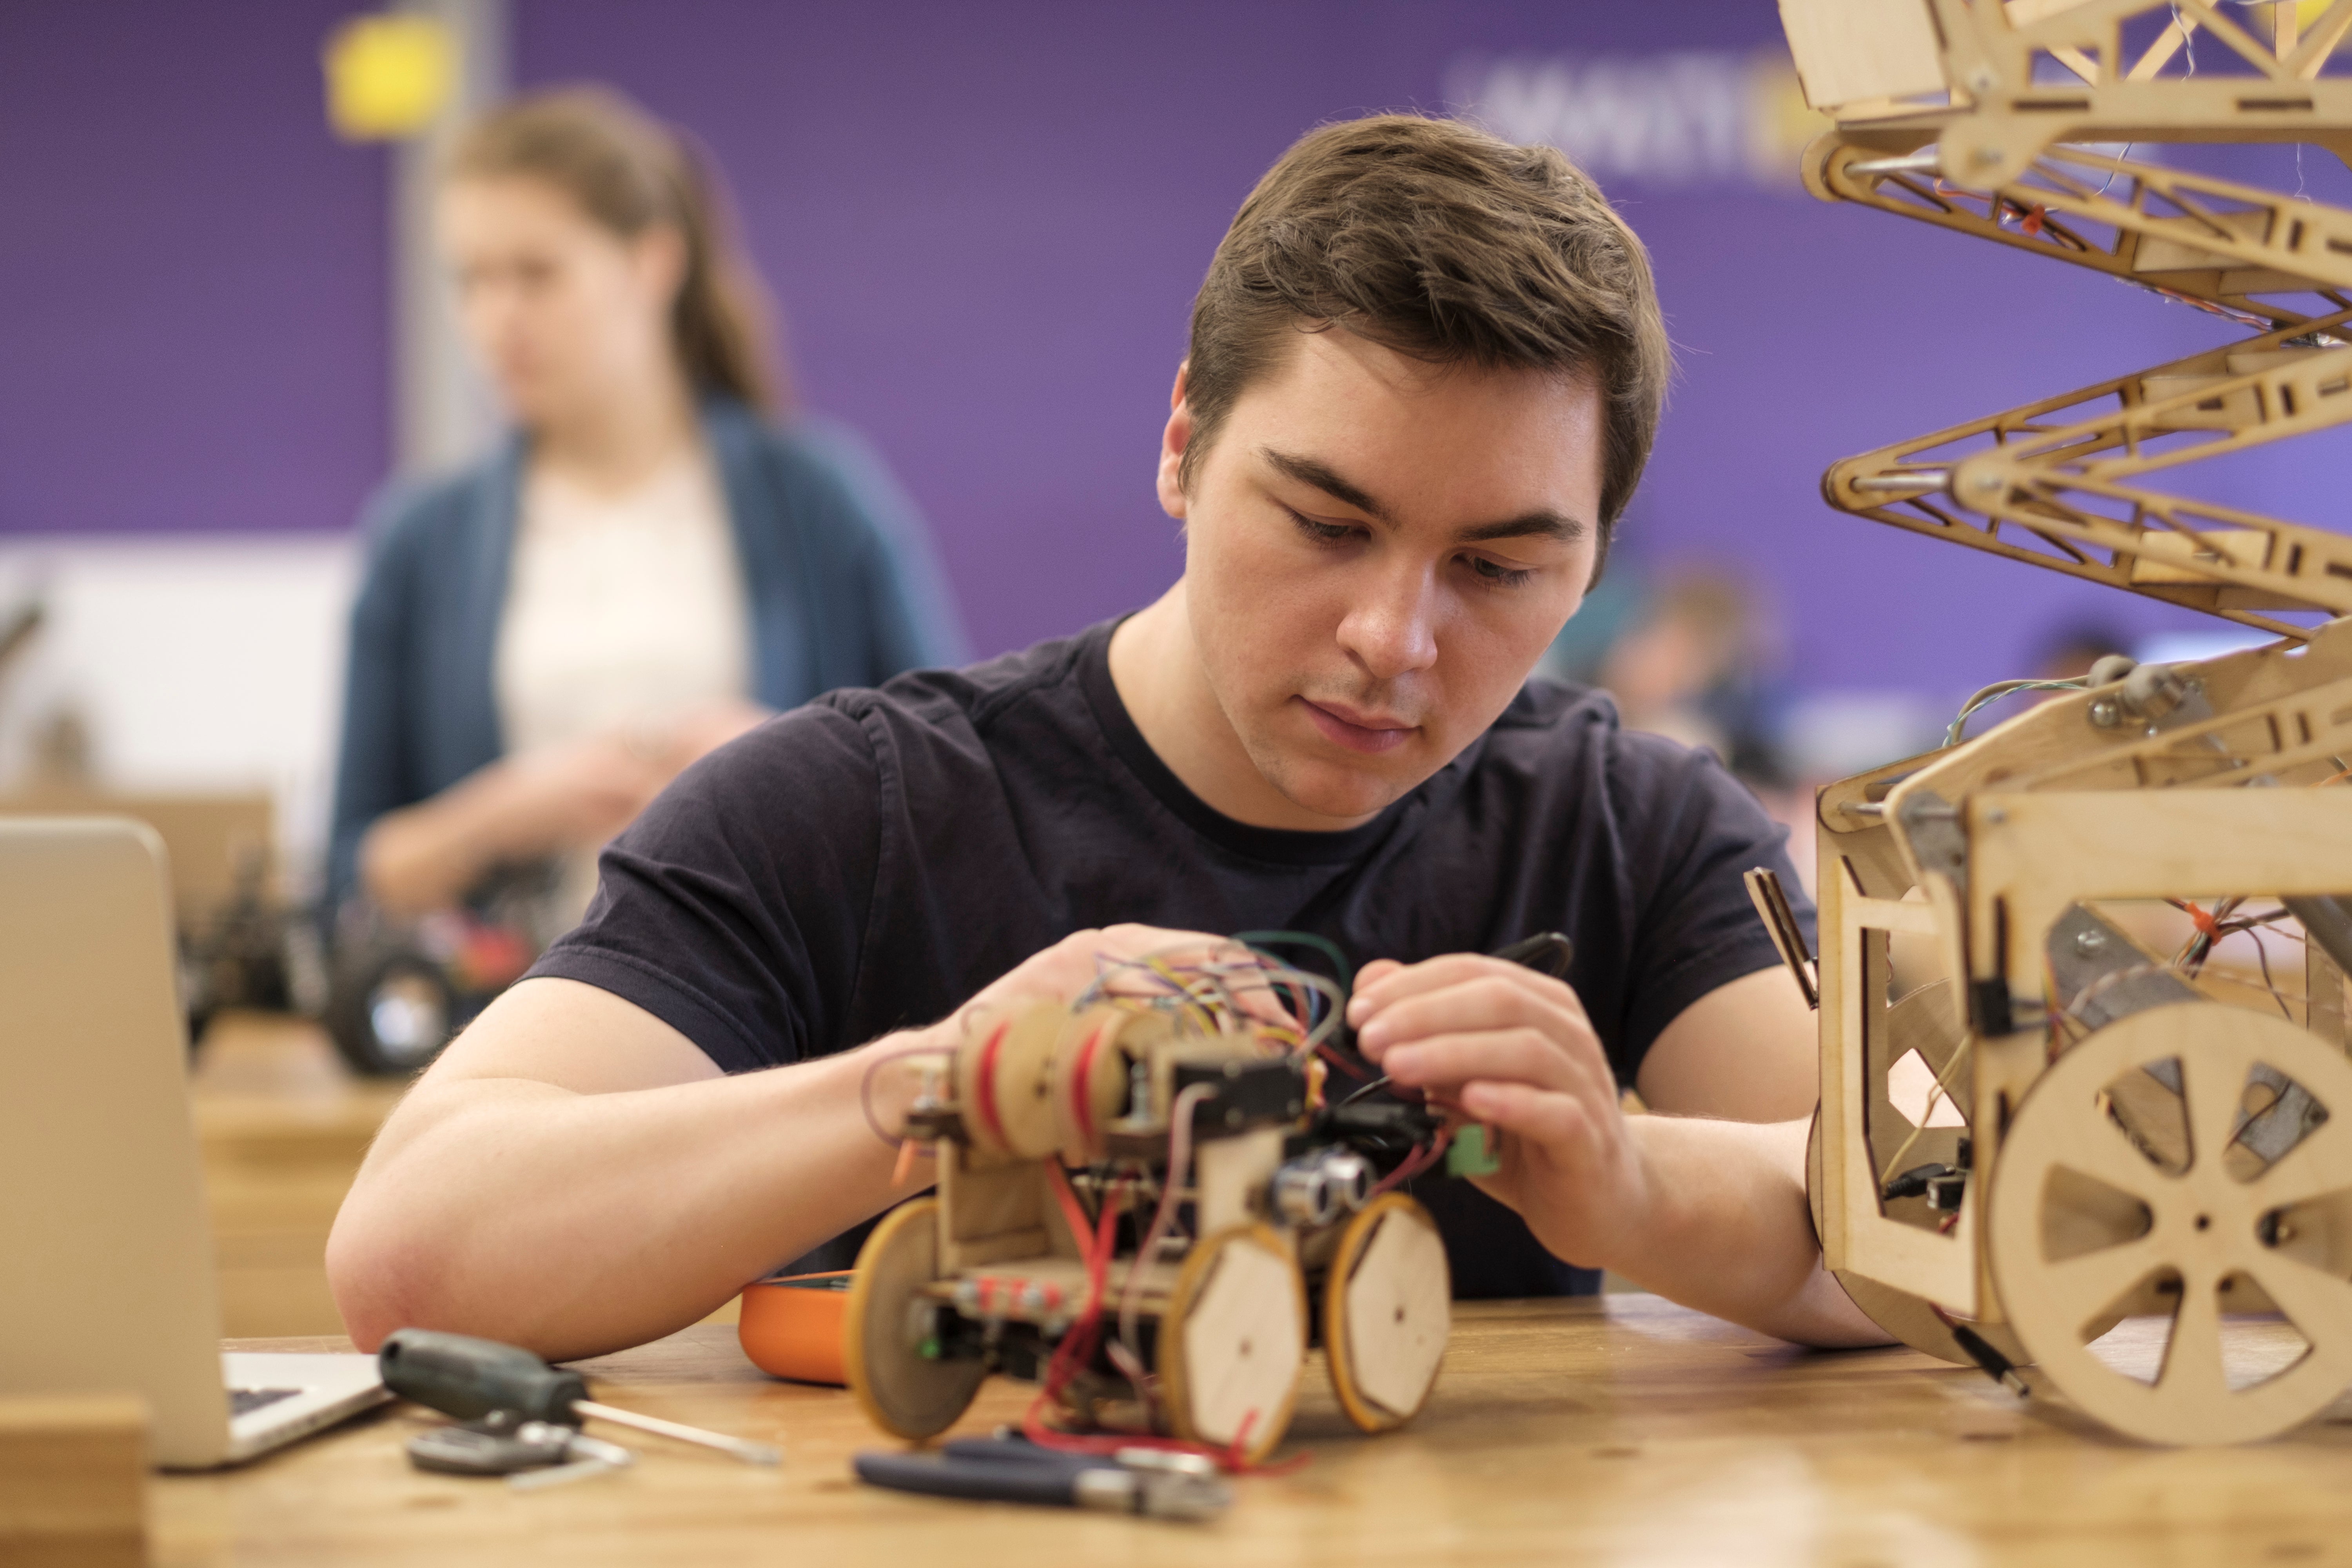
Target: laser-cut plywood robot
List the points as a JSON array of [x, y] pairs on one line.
[[2139, 1135], [1148, 1205]]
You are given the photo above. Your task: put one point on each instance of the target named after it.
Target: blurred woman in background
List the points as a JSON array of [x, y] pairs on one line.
[[648, 567]]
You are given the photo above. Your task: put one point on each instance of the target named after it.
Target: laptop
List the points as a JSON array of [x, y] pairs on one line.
[[106, 1256]]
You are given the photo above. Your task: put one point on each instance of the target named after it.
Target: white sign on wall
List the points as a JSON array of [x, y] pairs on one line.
[[1676, 121]]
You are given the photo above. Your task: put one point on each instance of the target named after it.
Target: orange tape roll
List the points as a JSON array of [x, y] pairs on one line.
[[790, 1327]]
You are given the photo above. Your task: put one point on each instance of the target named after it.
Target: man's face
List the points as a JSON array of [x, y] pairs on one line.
[[1378, 551]]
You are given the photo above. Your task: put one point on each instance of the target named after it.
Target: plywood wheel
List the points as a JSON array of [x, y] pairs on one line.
[[905, 1392], [2085, 1221], [1387, 1310], [1233, 1344]]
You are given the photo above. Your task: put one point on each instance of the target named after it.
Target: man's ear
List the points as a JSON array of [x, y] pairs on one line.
[[1173, 440]]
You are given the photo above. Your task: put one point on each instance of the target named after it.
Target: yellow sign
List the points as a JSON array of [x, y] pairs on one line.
[[388, 76]]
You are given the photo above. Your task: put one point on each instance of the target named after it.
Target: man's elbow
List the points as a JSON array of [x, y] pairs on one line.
[[375, 1279]]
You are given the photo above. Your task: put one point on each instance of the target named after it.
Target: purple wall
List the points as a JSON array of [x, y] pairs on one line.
[[985, 224], [191, 273]]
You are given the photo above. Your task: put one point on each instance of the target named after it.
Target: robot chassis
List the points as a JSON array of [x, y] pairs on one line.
[[2136, 1135], [1068, 1143]]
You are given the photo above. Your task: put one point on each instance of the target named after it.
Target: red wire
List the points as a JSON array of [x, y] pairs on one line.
[[1413, 1165], [1082, 1107], [1078, 1345], [984, 1082]]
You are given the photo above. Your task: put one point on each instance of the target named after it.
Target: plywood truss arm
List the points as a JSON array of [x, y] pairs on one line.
[[2205, 221], [2272, 564], [2312, 50], [2051, 550], [2249, 89], [2209, 405], [2087, 35], [2055, 482], [2208, 241]]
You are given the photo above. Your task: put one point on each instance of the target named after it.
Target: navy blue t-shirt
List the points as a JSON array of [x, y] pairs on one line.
[[869, 861]]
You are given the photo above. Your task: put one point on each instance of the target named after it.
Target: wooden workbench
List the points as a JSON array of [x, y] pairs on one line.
[[1619, 1429]]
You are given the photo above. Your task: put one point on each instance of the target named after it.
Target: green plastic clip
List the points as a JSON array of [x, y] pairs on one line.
[[1468, 1155]]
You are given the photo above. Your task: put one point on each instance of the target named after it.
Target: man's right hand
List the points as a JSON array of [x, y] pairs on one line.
[[1060, 974], [1065, 970]]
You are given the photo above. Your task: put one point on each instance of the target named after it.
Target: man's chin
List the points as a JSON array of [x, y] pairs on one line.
[[1345, 794]]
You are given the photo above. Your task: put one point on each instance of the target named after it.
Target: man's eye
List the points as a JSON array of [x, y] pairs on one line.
[[1496, 573], [1321, 532]]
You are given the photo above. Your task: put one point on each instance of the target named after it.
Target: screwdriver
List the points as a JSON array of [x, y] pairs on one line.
[[468, 1378]]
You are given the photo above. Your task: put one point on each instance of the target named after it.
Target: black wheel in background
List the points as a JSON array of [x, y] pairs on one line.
[[390, 1019]]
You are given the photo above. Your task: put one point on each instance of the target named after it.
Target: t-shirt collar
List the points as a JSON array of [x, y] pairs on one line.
[[1281, 846]]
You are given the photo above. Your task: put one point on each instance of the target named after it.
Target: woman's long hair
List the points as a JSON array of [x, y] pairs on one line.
[[630, 171]]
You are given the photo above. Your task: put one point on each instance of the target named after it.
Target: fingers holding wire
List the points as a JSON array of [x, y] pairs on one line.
[[1443, 1064], [1396, 989]]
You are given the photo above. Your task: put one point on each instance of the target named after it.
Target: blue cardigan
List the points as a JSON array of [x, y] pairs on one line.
[[843, 591]]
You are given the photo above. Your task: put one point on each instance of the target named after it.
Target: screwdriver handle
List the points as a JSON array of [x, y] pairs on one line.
[[468, 1378]]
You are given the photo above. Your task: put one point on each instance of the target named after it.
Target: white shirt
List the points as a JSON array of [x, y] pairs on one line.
[[621, 608]]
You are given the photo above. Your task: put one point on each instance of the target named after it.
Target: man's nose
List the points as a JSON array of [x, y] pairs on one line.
[[1391, 628]]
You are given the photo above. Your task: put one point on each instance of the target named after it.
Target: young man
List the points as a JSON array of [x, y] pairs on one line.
[[1425, 372]]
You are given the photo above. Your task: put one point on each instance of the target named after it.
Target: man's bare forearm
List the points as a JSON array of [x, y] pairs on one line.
[[578, 1222], [1728, 1232]]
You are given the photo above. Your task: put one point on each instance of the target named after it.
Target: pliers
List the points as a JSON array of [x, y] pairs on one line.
[[1007, 1469]]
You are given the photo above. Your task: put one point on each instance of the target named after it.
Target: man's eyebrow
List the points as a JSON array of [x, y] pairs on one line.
[[1544, 524], [1319, 476]]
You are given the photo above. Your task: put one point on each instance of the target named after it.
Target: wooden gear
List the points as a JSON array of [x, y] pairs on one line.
[[2144, 1137], [1046, 1111]]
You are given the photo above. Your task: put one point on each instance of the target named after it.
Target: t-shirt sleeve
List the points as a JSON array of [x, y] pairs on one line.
[[733, 909], [1694, 832]]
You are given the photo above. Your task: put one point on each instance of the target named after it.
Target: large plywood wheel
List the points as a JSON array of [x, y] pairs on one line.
[[1234, 1343], [1387, 1310], [899, 1382], [2227, 1226]]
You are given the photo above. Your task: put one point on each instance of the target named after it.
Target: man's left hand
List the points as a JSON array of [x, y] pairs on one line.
[[1514, 1049]]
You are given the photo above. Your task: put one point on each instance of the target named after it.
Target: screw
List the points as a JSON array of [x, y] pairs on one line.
[[2105, 714], [1987, 157], [1996, 816], [2088, 943]]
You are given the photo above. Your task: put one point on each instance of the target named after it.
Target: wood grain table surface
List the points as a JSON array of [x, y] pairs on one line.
[[1618, 1430]]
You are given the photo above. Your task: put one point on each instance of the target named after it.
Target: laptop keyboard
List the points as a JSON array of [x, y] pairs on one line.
[[245, 1401]]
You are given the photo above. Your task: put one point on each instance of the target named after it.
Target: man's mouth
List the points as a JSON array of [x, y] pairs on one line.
[[1358, 731]]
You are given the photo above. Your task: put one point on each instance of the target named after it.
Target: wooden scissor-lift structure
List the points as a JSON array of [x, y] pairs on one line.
[[2043, 1114]]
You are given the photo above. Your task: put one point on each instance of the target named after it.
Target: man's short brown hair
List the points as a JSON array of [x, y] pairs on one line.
[[1446, 244]]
